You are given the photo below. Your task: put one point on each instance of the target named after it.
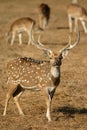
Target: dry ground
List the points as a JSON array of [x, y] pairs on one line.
[[69, 107]]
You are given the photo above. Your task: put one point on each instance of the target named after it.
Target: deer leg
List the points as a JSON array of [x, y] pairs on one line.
[[40, 21], [48, 103], [45, 23], [6, 103], [8, 39], [70, 23], [30, 34], [19, 91], [84, 26], [50, 93], [13, 37], [20, 38], [17, 103], [30, 37], [11, 90], [76, 25]]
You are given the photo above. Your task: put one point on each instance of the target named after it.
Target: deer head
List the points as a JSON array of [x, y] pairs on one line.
[[62, 53]]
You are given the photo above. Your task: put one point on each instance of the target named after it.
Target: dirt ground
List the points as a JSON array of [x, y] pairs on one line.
[[69, 106]]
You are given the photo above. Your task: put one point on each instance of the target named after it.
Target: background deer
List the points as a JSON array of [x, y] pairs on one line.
[[76, 13], [74, 1], [44, 15], [27, 73], [19, 26]]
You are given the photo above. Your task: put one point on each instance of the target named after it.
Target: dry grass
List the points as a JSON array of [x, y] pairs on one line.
[[69, 107]]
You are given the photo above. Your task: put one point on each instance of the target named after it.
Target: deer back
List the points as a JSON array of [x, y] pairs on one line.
[[76, 10], [22, 24], [29, 72]]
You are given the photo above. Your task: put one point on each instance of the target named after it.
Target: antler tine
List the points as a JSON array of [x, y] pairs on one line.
[[66, 45], [69, 46], [39, 45], [78, 39]]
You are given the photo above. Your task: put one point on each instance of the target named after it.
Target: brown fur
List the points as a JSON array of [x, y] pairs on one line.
[[76, 12], [44, 15], [19, 26]]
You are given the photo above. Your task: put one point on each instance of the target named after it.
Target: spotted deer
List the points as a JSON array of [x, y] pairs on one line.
[[31, 74], [44, 15], [19, 26], [76, 12]]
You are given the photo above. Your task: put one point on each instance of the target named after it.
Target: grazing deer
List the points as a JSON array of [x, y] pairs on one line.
[[27, 73], [19, 26], [76, 13], [74, 1], [44, 15]]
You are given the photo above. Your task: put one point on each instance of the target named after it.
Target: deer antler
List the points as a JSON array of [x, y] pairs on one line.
[[40, 46], [69, 46]]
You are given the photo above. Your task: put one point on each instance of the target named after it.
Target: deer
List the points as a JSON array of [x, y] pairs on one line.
[[26, 73], [24, 24], [76, 12], [75, 1], [44, 15]]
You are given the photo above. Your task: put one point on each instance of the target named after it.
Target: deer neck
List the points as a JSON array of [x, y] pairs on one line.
[[55, 71], [55, 75]]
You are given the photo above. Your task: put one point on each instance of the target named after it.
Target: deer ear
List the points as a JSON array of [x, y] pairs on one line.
[[65, 53], [48, 52]]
